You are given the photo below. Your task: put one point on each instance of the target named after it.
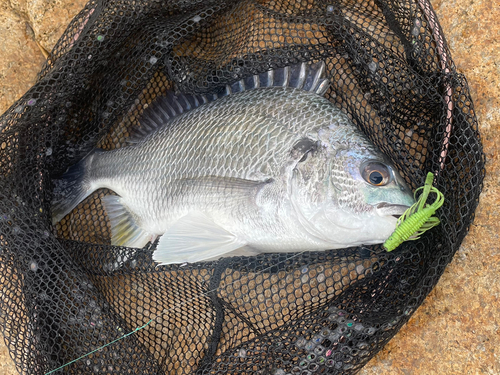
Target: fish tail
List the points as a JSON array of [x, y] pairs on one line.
[[72, 188]]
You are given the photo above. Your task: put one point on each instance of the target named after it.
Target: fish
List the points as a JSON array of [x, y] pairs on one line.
[[267, 165]]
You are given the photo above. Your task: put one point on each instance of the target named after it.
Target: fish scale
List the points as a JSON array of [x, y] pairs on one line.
[[263, 168]]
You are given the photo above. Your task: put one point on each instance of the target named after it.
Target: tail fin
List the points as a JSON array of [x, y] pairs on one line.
[[71, 189]]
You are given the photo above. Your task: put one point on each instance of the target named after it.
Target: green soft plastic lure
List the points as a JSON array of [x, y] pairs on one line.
[[417, 219]]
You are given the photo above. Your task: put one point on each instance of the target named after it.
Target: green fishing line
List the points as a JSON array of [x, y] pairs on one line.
[[284, 261], [99, 348], [417, 219]]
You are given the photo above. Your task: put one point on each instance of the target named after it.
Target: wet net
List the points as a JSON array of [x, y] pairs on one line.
[[295, 313]]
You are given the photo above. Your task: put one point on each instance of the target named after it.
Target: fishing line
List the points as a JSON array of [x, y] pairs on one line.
[[101, 347], [418, 211], [166, 311]]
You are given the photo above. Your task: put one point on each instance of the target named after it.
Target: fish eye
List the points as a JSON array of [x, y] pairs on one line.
[[376, 174]]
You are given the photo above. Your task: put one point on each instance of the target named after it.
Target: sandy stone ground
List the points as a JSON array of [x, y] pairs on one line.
[[456, 330]]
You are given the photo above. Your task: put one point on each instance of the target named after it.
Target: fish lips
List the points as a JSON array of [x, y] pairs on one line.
[[390, 209]]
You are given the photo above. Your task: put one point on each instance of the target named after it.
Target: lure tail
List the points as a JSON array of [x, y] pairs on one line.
[[418, 218]]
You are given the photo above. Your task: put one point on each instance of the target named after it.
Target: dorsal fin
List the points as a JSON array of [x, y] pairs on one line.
[[304, 76], [164, 109]]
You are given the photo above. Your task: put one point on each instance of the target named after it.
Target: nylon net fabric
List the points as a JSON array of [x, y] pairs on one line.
[[66, 291]]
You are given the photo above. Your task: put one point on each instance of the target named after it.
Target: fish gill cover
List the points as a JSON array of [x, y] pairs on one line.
[[325, 312]]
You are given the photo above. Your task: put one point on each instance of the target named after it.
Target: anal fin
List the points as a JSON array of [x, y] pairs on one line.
[[124, 230], [193, 238]]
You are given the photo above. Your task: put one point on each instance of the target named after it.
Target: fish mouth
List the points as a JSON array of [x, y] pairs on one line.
[[390, 209]]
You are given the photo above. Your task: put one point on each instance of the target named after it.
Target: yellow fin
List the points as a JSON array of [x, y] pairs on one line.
[[124, 230]]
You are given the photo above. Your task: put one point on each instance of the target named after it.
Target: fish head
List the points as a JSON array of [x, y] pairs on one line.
[[348, 193]]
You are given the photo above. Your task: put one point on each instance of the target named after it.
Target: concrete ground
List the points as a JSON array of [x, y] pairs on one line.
[[456, 330]]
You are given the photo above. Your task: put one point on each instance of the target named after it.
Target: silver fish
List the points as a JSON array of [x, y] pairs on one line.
[[272, 166]]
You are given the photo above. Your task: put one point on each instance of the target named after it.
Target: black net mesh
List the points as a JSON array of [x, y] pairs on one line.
[[295, 313]]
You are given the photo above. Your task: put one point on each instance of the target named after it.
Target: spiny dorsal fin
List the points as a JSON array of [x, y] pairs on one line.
[[303, 76]]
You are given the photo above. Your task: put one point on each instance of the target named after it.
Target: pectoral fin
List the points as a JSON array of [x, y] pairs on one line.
[[193, 238]]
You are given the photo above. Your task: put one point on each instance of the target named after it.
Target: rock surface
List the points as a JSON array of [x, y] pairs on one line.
[[28, 28], [456, 330]]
